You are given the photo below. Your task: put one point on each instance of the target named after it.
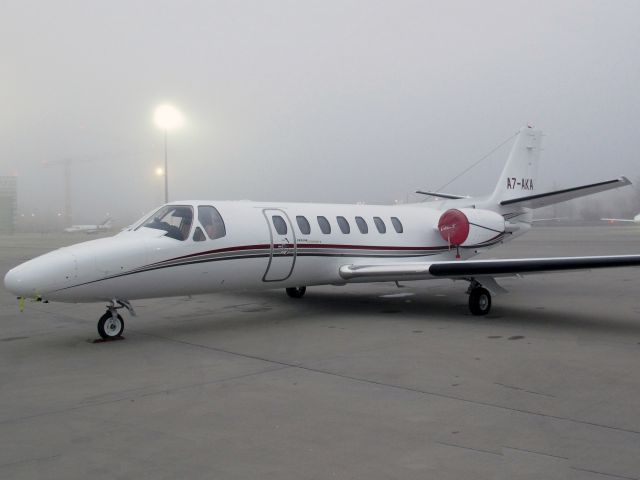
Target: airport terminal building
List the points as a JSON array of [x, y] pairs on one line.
[[8, 204]]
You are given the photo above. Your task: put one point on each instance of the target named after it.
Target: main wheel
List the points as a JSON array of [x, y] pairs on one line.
[[296, 292], [480, 301], [110, 327]]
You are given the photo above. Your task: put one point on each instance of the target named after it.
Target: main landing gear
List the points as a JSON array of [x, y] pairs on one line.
[[296, 292], [111, 324], [479, 298]]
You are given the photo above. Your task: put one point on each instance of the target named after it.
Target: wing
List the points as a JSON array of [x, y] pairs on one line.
[[618, 219], [475, 268], [551, 198]]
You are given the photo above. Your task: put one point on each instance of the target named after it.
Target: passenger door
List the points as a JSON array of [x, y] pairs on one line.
[[283, 246]]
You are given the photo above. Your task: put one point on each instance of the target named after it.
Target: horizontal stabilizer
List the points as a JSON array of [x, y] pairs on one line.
[[476, 268], [441, 195], [550, 198]]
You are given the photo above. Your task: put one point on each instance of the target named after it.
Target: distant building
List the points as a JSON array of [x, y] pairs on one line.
[[8, 204]]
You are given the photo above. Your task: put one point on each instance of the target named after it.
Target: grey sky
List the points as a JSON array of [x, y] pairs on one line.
[[333, 101]]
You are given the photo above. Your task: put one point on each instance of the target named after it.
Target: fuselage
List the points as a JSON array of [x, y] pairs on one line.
[[261, 245]]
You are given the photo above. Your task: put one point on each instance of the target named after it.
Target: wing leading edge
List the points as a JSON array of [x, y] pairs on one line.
[[474, 268]]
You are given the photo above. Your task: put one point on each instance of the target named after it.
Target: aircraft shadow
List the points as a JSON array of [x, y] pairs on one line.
[[261, 308]]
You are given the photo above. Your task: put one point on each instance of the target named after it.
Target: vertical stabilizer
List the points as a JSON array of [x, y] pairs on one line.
[[519, 177]]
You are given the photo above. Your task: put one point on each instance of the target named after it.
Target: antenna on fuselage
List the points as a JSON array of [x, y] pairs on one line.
[[473, 165]]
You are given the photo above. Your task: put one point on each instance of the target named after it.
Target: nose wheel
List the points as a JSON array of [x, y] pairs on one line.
[[110, 325]]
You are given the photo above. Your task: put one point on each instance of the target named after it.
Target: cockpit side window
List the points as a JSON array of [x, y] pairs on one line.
[[176, 220], [211, 221]]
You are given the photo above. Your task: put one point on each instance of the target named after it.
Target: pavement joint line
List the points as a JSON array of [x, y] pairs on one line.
[[513, 387], [397, 387], [479, 450], [129, 394], [534, 452], [29, 460], [211, 382], [612, 475], [141, 395], [468, 448]]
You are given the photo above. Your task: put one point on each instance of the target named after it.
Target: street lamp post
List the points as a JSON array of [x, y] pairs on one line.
[[167, 117], [166, 170]]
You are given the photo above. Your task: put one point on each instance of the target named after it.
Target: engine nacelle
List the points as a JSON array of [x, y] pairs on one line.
[[467, 227]]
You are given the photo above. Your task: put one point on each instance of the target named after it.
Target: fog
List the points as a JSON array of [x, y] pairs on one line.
[[323, 101]]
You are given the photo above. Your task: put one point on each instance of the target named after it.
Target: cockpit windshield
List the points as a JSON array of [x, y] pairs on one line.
[[176, 220]]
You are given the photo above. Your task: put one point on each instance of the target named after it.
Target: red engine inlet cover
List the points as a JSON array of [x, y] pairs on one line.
[[454, 227]]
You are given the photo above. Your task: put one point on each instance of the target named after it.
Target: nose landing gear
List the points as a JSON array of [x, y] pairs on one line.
[[111, 324], [479, 298]]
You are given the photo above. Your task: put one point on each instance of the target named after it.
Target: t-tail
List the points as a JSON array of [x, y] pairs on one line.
[[519, 177], [518, 188]]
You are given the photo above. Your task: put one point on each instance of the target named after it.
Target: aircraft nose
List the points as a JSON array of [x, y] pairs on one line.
[[12, 281], [41, 275]]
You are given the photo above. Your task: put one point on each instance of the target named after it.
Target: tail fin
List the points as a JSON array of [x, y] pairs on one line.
[[518, 183], [520, 174]]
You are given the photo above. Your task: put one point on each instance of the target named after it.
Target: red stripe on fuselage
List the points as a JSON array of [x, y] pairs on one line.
[[219, 250], [303, 246]]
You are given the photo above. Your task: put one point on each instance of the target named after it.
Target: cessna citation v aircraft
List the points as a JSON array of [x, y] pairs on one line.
[[195, 247]]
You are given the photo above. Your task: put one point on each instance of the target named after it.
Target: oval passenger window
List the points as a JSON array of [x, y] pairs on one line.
[[280, 224], [343, 224], [325, 227], [303, 225]]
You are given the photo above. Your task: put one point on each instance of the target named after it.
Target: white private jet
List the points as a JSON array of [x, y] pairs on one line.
[[635, 219], [101, 227], [196, 247]]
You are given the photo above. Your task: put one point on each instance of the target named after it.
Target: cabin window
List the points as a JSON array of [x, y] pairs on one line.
[[176, 220], [362, 225], [397, 224], [211, 221], [382, 228], [198, 235], [303, 225], [344, 225], [325, 227], [280, 224]]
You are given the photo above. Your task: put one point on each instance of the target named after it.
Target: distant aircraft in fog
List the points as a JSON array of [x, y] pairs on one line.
[[101, 227], [635, 219]]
